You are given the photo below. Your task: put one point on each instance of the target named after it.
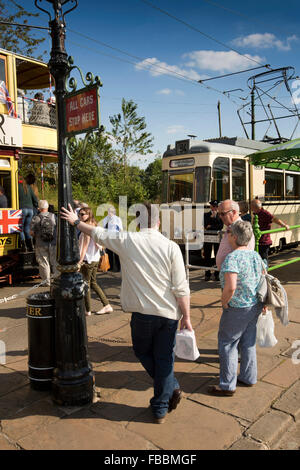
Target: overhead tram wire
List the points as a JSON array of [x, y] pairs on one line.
[[24, 25], [145, 66], [242, 15], [164, 12], [171, 73]]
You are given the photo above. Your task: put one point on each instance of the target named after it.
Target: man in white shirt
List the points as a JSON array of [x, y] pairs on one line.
[[155, 289], [229, 213]]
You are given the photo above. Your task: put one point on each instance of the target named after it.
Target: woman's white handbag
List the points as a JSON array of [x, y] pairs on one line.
[[186, 346], [265, 337]]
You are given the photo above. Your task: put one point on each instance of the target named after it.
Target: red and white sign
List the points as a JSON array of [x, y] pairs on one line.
[[82, 111], [10, 221]]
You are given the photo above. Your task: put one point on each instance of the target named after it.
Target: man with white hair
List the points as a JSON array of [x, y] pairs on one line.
[[43, 229], [229, 212]]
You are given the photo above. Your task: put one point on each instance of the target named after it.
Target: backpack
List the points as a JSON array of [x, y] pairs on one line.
[[46, 228]]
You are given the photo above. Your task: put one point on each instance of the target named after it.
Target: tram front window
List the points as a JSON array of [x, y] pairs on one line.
[[274, 186], [181, 187], [292, 186], [238, 180], [5, 182], [202, 178], [2, 69], [220, 183]]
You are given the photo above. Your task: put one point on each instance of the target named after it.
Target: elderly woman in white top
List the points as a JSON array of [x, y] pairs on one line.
[[113, 223], [89, 260]]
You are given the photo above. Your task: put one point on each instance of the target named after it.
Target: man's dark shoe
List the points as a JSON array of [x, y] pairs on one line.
[[160, 420], [219, 392], [207, 276], [175, 399], [216, 276]]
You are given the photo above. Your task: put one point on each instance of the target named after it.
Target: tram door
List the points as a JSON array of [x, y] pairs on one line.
[[221, 184]]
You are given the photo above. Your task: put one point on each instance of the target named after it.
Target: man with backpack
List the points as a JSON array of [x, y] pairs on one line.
[[43, 229]]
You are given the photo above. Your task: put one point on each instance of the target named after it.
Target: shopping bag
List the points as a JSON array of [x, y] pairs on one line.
[[104, 263], [270, 291], [186, 346], [265, 337]]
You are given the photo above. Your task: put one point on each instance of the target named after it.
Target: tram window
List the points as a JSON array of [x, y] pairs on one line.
[[5, 181], [274, 186], [292, 186], [238, 180], [164, 186], [181, 187], [220, 184], [202, 179], [2, 69]]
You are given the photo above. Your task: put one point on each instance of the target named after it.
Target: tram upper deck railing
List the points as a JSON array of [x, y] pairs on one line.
[[37, 112]]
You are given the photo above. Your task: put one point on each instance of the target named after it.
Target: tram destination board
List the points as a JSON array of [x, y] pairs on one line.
[[82, 110]]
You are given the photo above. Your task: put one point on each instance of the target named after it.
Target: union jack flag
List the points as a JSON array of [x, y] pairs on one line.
[[10, 221], [6, 99]]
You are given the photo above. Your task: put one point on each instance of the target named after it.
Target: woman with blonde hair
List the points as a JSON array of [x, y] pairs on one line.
[[89, 260]]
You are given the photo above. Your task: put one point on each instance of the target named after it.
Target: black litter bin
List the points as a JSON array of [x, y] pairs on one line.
[[41, 354]]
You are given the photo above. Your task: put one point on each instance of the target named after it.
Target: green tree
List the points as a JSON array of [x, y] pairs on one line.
[[152, 180], [129, 133], [88, 170], [17, 38]]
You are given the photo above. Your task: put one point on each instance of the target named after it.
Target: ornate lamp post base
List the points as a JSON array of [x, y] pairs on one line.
[[73, 382]]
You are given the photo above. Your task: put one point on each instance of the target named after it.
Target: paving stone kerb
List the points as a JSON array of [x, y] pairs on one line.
[[270, 427], [290, 401], [253, 419]]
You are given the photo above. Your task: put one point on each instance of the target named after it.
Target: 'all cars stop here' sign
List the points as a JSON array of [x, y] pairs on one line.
[[82, 111]]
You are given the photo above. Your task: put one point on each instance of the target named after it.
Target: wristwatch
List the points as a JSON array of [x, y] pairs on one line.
[[76, 222]]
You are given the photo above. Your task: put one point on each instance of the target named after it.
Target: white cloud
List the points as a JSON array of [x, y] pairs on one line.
[[156, 68], [265, 41], [219, 61], [176, 129], [164, 91], [167, 91]]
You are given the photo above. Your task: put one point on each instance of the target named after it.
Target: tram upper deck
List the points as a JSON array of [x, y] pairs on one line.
[[27, 130]]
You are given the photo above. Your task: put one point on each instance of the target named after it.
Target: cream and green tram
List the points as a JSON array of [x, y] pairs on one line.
[[196, 172]]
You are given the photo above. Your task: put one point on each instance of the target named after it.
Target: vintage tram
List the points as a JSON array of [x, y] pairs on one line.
[[27, 138], [196, 172]]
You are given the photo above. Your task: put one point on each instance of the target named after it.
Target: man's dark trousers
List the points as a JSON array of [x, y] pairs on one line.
[[153, 339]]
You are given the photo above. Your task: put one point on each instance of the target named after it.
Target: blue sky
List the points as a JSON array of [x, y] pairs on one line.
[[163, 58]]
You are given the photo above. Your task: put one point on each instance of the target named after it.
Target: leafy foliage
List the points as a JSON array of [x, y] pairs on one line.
[[17, 38], [129, 133]]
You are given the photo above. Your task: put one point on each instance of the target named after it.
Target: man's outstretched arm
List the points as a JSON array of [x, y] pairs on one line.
[[71, 216]]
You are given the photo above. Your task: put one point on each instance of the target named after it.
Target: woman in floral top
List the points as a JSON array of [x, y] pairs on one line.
[[240, 275]]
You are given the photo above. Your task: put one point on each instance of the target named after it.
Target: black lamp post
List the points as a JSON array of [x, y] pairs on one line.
[[73, 377]]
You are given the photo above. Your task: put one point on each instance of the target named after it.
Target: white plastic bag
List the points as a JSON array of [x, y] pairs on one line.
[[186, 346], [265, 337]]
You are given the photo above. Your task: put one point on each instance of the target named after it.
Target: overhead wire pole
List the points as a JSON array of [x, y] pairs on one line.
[[253, 113]]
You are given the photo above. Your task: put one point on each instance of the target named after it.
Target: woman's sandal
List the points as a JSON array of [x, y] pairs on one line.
[[219, 392]]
